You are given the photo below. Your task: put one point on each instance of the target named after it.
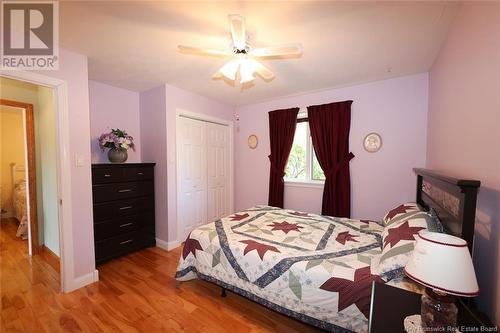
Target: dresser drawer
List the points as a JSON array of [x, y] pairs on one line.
[[107, 175], [123, 244], [123, 225], [138, 173], [116, 246], [116, 209], [116, 191]]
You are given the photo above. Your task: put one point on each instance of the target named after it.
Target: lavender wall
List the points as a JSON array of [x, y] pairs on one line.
[[153, 148], [112, 107], [73, 70], [395, 108], [463, 128]]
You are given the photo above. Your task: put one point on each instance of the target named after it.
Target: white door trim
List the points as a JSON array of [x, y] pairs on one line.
[[60, 88], [199, 116]]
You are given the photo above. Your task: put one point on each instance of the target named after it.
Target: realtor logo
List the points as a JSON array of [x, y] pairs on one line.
[[30, 32]]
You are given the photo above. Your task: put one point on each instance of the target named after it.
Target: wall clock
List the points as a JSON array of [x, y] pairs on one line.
[[253, 141], [372, 142]]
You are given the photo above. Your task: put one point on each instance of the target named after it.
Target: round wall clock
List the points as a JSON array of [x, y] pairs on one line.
[[253, 141], [372, 142]]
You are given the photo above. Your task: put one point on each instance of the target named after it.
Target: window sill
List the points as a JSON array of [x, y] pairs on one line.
[[309, 184]]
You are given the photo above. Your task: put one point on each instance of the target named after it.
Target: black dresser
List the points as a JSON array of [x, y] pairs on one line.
[[124, 208]]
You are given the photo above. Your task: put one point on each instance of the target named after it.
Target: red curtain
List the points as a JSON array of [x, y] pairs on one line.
[[282, 125], [330, 125]]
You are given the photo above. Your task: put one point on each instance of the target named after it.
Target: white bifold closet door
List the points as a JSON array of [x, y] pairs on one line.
[[203, 173], [217, 171]]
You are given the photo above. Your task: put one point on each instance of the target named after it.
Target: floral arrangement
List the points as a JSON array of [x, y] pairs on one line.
[[116, 139]]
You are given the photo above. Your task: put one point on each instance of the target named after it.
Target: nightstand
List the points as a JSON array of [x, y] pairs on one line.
[[391, 305]]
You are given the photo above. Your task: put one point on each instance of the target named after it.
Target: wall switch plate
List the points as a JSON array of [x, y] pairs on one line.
[[79, 160]]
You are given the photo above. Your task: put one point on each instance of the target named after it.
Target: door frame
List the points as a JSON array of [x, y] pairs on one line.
[[202, 117], [30, 170], [59, 87]]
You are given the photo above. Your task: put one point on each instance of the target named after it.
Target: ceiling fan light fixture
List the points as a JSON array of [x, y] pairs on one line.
[[246, 77], [242, 51], [230, 69], [247, 70]]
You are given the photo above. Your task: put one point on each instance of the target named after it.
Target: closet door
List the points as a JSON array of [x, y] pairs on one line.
[[218, 173], [192, 175]]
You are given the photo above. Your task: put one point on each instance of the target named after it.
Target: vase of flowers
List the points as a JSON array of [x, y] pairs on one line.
[[118, 142]]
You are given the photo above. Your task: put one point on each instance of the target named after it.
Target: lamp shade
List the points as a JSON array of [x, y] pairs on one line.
[[443, 262]]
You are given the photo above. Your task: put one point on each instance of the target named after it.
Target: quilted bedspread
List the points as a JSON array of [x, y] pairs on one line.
[[20, 210], [310, 267], [19, 201]]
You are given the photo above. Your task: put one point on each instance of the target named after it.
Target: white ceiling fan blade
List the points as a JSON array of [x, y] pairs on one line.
[[203, 51], [237, 26], [277, 51], [264, 72], [229, 70]]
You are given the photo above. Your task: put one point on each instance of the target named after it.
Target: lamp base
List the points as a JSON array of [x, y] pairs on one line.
[[439, 312]]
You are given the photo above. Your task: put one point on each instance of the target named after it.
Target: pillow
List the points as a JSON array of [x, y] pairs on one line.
[[400, 212], [436, 225], [398, 241], [20, 185]]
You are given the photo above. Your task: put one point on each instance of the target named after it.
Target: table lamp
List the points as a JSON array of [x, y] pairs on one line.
[[442, 263]]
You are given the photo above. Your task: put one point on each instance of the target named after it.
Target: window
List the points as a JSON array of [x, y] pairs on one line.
[[303, 166]]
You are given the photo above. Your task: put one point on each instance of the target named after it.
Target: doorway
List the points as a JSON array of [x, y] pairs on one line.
[[204, 171], [18, 189], [38, 171]]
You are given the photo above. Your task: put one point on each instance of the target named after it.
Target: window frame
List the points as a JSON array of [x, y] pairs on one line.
[[309, 181]]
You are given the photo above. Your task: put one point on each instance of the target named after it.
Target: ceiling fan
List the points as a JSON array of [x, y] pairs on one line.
[[244, 56]]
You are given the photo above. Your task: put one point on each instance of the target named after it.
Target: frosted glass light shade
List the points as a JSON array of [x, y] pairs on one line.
[[246, 67], [230, 69], [443, 262], [247, 70]]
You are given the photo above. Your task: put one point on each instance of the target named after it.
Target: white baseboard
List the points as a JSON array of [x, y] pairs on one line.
[[168, 246], [84, 280]]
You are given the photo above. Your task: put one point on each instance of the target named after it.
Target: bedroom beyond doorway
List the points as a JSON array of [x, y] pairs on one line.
[[28, 163]]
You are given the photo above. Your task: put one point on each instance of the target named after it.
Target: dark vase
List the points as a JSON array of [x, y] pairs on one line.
[[117, 155]]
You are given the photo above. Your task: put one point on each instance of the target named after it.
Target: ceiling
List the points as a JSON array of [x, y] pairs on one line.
[[133, 45]]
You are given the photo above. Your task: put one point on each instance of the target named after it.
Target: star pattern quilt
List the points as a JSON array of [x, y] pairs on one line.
[[314, 268]]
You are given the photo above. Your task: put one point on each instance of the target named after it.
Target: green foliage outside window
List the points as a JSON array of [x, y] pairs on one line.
[[317, 172], [296, 168]]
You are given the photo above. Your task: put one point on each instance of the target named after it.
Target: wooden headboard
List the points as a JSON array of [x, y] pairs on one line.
[[452, 199]]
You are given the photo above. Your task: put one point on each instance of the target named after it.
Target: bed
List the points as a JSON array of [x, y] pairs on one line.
[[320, 269], [19, 199]]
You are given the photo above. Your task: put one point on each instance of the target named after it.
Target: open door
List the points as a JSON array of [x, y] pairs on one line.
[[31, 170]]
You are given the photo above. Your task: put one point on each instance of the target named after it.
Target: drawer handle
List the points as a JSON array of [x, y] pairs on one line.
[[126, 190], [107, 175], [126, 224], [126, 207], [140, 173], [125, 242]]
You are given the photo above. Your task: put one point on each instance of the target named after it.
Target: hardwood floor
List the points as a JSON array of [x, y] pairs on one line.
[[136, 293]]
